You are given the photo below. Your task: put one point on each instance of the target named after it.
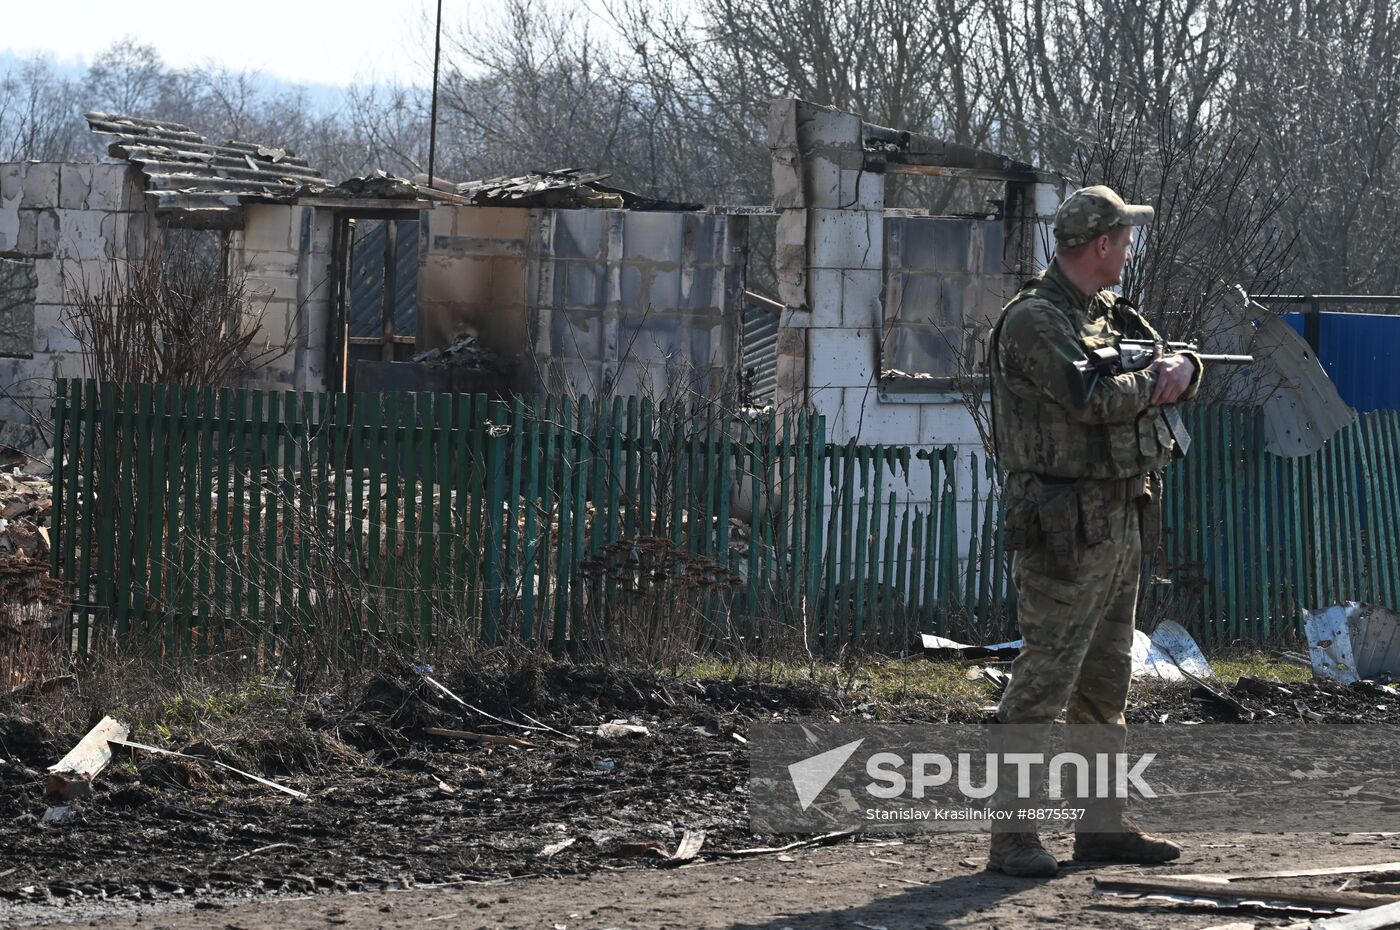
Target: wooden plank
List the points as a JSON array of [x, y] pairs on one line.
[[105, 507], [373, 512], [478, 737], [885, 604], [511, 579], [208, 552], [529, 571], [126, 518], [289, 566], [568, 459], [57, 564], [632, 527], [410, 580], [186, 492], [460, 458], [251, 507], [795, 502], [393, 417], [1377, 918], [861, 547], [1365, 869], [583, 458], [318, 545], [343, 543], [71, 777], [646, 425], [214, 762], [973, 540], [874, 595], [497, 450], [548, 509], [1233, 891], [428, 534], [88, 496], [227, 458], [816, 500]]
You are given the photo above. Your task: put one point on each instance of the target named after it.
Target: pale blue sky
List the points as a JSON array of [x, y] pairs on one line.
[[303, 41]]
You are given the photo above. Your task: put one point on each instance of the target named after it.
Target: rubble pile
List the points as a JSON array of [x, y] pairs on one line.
[[26, 503], [30, 599]]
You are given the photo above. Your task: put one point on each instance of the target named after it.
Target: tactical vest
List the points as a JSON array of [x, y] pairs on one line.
[[1035, 434]]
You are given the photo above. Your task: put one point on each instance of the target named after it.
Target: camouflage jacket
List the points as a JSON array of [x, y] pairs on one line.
[[1038, 426]]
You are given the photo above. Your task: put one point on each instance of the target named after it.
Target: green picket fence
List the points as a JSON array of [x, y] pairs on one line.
[[1254, 539], [185, 517]]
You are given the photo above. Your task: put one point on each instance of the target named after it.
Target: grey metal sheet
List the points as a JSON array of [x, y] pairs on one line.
[[185, 172]]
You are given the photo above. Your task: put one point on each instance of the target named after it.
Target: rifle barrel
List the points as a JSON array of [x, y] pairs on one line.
[[1228, 359]]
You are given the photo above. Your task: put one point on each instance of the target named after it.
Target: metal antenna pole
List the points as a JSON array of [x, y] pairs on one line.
[[432, 119]]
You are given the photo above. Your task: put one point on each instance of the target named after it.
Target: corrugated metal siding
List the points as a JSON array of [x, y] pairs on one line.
[[367, 279], [1360, 353], [760, 351]]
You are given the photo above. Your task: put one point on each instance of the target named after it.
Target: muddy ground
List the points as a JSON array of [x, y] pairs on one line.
[[565, 831]]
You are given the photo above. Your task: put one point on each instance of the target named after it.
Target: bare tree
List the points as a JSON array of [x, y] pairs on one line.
[[39, 114]]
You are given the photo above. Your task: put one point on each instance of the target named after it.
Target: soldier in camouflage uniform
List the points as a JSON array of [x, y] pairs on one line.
[[1083, 488]]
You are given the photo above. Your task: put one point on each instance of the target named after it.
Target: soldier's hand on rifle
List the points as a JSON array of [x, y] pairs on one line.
[[1173, 378]]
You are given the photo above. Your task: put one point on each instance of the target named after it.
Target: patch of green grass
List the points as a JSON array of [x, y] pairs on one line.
[[877, 679], [917, 681], [1231, 665]]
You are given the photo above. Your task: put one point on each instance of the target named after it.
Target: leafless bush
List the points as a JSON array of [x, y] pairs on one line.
[[172, 317]]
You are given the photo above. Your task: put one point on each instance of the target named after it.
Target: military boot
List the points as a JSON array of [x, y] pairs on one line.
[[1128, 844], [1022, 855]]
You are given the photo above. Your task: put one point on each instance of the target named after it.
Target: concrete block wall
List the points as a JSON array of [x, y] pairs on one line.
[[635, 303], [472, 279], [72, 224], [68, 223], [285, 251], [946, 280], [865, 291], [586, 301]]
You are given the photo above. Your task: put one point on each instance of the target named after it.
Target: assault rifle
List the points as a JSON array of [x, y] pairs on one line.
[[1136, 355]]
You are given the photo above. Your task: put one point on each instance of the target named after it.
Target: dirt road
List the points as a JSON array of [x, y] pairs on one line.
[[916, 882]]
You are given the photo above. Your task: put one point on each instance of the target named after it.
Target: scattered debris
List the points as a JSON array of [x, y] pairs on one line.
[[57, 814], [1210, 692], [621, 729], [1292, 658], [1169, 654], [478, 711], [262, 849], [824, 839], [569, 188], [554, 849], [1349, 642], [1166, 654], [1377, 918], [26, 506], [71, 777], [223, 765], [1229, 894], [937, 647], [478, 737], [688, 848], [1378, 868]]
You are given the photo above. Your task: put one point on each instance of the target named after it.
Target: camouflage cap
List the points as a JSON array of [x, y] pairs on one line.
[[1092, 211]]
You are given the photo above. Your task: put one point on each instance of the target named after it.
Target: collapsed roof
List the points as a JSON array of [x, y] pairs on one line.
[[187, 175], [569, 188]]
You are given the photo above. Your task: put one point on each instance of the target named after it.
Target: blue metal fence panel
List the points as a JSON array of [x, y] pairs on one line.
[[1360, 353]]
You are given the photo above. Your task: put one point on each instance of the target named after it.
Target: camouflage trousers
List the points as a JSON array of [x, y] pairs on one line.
[[1078, 633]]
